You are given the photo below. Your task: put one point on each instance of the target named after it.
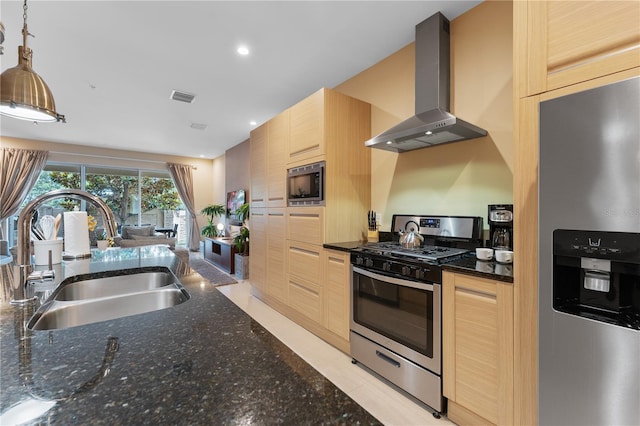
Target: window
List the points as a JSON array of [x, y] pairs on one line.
[[136, 197], [119, 188]]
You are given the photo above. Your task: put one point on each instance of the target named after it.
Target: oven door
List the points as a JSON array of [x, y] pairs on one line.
[[402, 315]]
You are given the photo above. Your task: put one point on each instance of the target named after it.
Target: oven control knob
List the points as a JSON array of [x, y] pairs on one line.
[[406, 271], [386, 266], [368, 263], [359, 260], [420, 273]]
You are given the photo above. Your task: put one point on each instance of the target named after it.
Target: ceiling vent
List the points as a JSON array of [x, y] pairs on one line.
[[177, 95], [198, 126]]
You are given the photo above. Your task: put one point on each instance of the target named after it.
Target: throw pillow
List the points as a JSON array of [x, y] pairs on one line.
[[129, 231]]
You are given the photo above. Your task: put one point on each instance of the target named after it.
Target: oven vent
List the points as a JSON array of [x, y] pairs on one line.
[[177, 95]]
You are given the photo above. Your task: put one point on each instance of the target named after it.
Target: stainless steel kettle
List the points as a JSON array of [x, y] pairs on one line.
[[410, 238]]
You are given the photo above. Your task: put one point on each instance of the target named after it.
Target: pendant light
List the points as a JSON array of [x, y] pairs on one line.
[[23, 93]]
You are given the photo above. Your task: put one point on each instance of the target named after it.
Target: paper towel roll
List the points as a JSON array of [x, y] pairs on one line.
[[76, 234]]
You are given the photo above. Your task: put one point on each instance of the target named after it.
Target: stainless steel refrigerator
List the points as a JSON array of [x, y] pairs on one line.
[[589, 257]]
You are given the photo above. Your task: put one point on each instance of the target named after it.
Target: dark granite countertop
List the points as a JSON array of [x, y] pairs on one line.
[[346, 246], [204, 361], [469, 264]]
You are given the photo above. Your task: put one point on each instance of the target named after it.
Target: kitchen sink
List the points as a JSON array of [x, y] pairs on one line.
[[92, 299], [113, 285]]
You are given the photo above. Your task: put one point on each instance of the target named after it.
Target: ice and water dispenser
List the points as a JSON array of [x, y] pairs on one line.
[[596, 275]]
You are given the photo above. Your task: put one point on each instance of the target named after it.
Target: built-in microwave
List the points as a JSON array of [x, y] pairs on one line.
[[305, 185]]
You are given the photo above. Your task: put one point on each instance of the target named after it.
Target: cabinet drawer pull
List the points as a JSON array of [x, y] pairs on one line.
[[304, 150], [301, 250], [303, 215], [389, 360]]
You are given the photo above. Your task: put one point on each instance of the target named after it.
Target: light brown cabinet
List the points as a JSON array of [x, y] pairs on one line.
[[276, 254], [305, 284], [303, 281], [306, 224], [336, 265], [277, 146], [307, 139], [559, 43], [258, 159], [268, 152], [258, 248], [477, 349]]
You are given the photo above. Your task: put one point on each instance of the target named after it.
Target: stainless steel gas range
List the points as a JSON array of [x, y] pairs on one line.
[[396, 306]]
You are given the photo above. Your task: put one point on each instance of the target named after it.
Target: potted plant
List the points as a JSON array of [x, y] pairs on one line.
[[102, 241], [212, 211], [241, 242]]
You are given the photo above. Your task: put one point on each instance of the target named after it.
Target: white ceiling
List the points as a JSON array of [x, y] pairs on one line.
[[112, 65]]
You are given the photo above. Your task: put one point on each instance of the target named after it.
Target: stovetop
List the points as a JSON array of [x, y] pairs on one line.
[[427, 252], [418, 264], [446, 238]]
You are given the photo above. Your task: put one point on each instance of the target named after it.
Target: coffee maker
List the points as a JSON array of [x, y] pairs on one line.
[[500, 218]]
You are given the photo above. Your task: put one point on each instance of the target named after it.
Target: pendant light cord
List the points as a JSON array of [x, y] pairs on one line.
[[25, 32]]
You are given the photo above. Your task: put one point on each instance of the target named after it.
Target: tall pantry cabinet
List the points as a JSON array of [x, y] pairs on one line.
[[290, 269]]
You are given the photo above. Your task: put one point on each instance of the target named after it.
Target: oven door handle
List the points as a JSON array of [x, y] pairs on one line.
[[392, 280]]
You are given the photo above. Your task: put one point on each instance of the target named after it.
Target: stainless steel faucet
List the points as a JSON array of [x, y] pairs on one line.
[[23, 261]]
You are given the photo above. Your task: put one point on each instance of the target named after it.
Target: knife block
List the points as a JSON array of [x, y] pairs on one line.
[[372, 236]]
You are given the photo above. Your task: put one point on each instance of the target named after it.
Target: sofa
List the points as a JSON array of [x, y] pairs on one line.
[[136, 236]]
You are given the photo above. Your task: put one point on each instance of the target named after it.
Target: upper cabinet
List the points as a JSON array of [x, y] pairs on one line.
[[277, 148], [307, 128], [258, 154], [326, 126], [567, 42]]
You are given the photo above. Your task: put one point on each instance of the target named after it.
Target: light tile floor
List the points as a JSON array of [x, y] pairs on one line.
[[381, 400]]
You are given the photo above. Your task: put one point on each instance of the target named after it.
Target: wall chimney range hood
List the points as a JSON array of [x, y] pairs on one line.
[[432, 124]]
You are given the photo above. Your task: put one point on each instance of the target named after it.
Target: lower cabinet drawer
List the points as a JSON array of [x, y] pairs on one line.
[[306, 298], [306, 224], [305, 261]]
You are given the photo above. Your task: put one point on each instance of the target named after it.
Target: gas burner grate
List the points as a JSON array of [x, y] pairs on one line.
[[425, 252]]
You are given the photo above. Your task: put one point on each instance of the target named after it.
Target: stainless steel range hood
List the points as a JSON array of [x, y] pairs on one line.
[[433, 123]]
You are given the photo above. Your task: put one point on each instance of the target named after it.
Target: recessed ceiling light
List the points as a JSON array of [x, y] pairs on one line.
[[243, 50], [253, 123], [201, 155]]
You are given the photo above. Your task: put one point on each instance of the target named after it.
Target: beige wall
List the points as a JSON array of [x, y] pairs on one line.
[[238, 168], [219, 171], [460, 178], [203, 174]]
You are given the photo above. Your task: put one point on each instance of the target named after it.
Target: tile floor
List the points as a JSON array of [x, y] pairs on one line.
[[382, 401]]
